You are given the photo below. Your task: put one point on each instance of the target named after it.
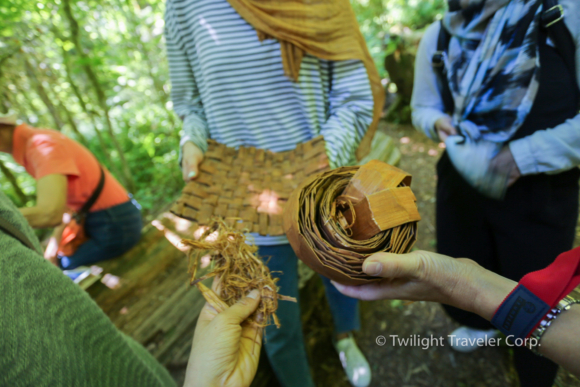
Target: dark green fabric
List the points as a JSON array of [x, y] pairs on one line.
[[53, 333]]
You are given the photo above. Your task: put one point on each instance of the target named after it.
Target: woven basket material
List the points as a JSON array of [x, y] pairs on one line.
[[249, 187], [324, 234]]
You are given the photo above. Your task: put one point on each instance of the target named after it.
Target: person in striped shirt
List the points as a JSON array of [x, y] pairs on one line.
[[231, 86]]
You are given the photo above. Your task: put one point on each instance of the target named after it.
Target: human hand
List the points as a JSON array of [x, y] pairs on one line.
[[504, 163], [444, 128], [51, 251], [226, 348], [426, 276], [192, 157]]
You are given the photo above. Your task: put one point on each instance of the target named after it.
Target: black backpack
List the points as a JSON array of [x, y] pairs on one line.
[[552, 22]]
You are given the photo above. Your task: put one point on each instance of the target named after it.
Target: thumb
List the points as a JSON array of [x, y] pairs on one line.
[[453, 130], [443, 135], [190, 170], [389, 265], [241, 310], [185, 169], [193, 171]]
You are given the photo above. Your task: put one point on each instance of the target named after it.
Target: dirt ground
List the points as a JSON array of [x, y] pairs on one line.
[[411, 365]]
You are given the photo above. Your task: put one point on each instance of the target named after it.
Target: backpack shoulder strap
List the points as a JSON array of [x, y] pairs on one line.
[[443, 38], [438, 63], [16, 233], [96, 193], [552, 20]]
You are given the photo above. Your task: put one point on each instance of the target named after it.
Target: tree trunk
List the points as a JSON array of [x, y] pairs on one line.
[[5, 96], [136, 39], [42, 93], [80, 98], [401, 68], [28, 102], [75, 37], [80, 137], [12, 180], [68, 71]]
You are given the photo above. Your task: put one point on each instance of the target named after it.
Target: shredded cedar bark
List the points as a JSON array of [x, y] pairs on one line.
[[239, 270]]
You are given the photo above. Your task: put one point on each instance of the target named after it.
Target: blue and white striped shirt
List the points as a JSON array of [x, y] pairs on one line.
[[229, 86]]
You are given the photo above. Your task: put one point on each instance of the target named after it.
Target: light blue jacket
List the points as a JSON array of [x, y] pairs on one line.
[[552, 150]]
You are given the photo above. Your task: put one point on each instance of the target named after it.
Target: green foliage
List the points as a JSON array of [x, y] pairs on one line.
[[382, 20], [96, 70], [121, 43], [24, 180]]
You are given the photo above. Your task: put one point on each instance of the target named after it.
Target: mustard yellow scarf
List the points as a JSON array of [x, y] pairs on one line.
[[326, 29]]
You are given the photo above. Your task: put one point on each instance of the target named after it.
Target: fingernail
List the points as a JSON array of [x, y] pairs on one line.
[[254, 294], [372, 268], [191, 174], [260, 318]]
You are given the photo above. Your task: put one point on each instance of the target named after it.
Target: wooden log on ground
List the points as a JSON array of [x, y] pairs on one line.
[[153, 302], [383, 148]]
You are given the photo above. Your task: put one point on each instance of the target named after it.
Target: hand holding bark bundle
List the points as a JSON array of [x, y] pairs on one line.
[[238, 269], [336, 219]]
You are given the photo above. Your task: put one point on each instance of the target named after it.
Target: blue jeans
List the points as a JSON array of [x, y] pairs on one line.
[[112, 232], [285, 346]]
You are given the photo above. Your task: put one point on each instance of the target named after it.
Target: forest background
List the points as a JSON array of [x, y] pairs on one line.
[[97, 71]]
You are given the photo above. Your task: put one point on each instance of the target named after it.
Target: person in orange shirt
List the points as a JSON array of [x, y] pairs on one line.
[[66, 175]]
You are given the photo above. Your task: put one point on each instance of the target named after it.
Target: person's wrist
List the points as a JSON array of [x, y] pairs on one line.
[[190, 150], [437, 128], [491, 290], [199, 372], [189, 146], [451, 279], [457, 290], [441, 122]]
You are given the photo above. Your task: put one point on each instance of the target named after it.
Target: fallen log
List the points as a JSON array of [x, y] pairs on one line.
[[146, 292]]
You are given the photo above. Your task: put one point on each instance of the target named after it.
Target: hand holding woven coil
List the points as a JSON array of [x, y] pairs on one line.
[[336, 219]]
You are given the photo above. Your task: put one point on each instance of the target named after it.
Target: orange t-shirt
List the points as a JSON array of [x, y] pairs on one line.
[[48, 152]]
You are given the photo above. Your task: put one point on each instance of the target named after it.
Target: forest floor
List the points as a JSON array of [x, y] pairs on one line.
[[395, 365]]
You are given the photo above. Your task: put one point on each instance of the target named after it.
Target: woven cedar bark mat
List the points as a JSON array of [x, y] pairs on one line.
[[336, 219], [248, 187]]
